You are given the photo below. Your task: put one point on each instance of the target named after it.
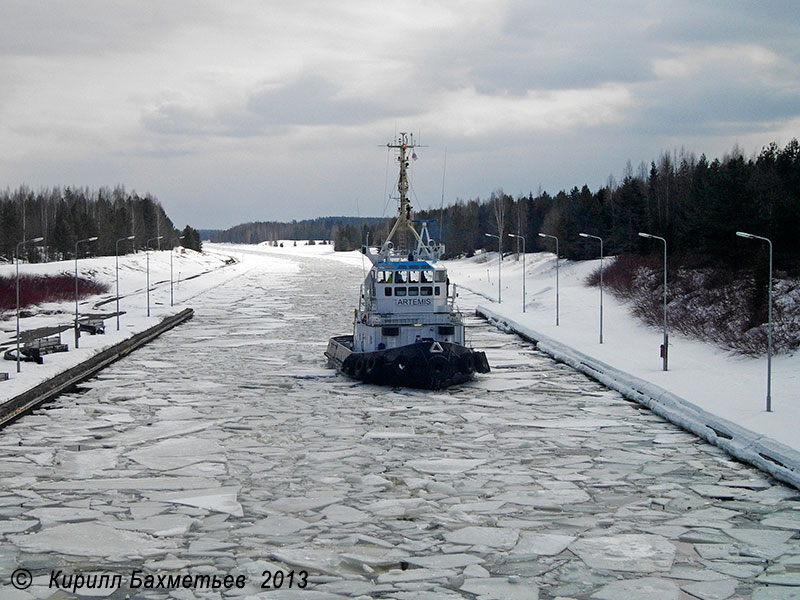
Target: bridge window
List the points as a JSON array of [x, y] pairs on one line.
[[437, 291], [413, 276], [399, 291], [387, 291], [401, 277], [427, 276], [441, 276], [413, 291], [425, 290]]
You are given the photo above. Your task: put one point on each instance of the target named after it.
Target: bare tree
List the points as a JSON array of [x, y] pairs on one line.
[[498, 202]]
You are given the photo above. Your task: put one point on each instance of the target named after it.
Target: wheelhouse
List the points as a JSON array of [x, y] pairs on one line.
[[406, 302]]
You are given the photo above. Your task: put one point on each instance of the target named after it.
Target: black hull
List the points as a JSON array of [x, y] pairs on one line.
[[426, 365]]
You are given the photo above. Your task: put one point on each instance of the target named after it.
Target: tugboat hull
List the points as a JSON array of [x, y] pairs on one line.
[[427, 364]]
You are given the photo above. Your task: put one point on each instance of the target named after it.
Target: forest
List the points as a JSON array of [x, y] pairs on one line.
[[695, 204], [321, 228], [64, 216]]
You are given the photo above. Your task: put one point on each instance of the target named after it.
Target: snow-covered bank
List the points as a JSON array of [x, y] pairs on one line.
[[732, 387], [193, 274]]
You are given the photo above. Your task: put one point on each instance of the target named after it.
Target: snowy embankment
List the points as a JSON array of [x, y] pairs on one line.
[[728, 386], [193, 273]]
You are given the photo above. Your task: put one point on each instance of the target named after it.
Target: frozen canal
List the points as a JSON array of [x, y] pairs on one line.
[[226, 449]]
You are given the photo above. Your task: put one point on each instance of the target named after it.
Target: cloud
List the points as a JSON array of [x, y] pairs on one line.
[[92, 27], [309, 100], [314, 100], [189, 100], [720, 22], [718, 88], [471, 113], [176, 119]]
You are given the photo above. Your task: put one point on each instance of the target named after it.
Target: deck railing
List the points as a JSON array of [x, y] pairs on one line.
[[448, 318]]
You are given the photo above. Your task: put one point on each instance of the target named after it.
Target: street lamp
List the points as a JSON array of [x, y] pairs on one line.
[[545, 235], [147, 256], [499, 262], [522, 237], [16, 256], [77, 327], [665, 347], [750, 236], [171, 252], [586, 235], [116, 257]]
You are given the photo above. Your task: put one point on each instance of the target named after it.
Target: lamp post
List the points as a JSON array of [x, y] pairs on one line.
[[545, 235], [16, 256], [147, 256], [77, 327], [522, 237], [665, 347], [171, 252], [499, 263], [598, 238], [750, 236], [116, 260]]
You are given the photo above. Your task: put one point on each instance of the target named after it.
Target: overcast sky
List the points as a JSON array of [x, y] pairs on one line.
[[233, 110]]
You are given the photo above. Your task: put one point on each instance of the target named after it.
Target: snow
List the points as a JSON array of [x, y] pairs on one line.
[[91, 539], [501, 589], [446, 561], [222, 500], [494, 537], [652, 588], [276, 525], [550, 498], [445, 465], [641, 553], [175, 453], [531, 545]]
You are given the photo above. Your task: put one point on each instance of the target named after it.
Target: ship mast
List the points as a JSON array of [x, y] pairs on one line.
[[424, 247], [403, 143]]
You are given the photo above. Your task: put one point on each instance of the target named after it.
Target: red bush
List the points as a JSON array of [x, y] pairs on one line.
[[709, 303], [38, 289]]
